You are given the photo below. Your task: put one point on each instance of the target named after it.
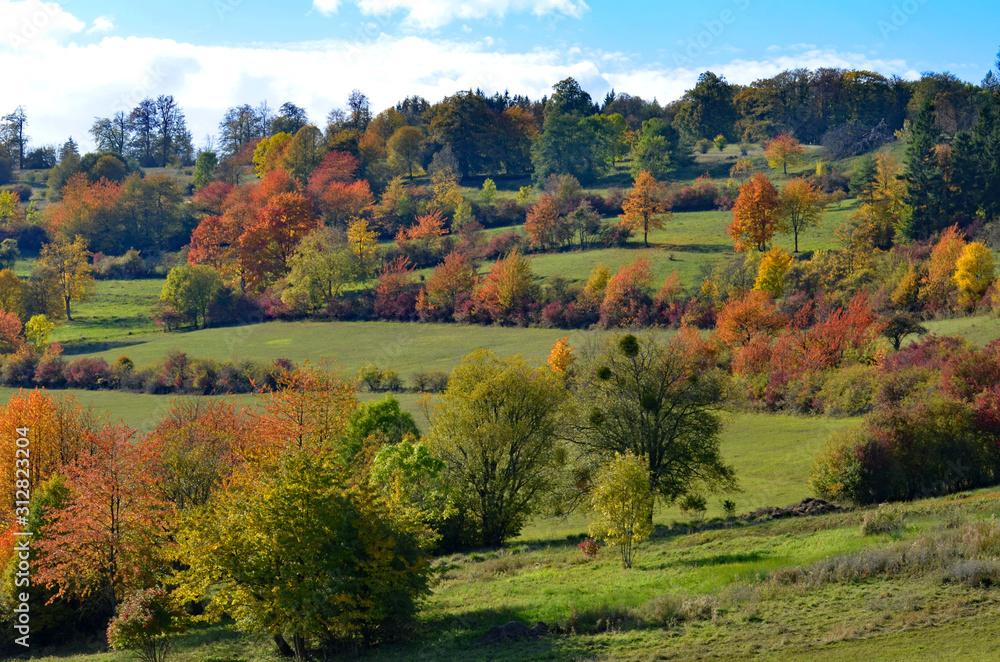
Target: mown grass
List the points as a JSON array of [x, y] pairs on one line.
[[117, 309], [724, 592], [407, 348]]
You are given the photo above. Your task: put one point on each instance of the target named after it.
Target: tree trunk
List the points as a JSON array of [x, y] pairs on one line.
[[69, 318], [284, 650]]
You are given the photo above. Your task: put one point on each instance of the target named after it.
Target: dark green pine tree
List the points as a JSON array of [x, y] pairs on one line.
[[926, 188], [863, 178], [986, 136]]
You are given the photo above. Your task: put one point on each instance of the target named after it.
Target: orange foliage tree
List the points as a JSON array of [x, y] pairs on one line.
[[56, 429], [755, 214], [561, 357], [452, 279], [196, 446], [507, 288], [783, 151], [627, 295], [644, 206], [306, 410], [742, 319], [110, 538], [545, 224], [939, 285]]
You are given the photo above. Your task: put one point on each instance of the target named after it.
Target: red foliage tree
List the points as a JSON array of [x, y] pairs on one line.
[[270, 241]]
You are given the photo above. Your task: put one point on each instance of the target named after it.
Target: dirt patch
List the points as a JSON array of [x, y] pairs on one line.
[[805, 508]]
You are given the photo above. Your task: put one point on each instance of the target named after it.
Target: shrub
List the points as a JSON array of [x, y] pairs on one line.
[[729, 507], [589, 547], [145, 622], [694, 506], [884, 519], [849, 391], [89, 373], [433, 381], [391, 381]]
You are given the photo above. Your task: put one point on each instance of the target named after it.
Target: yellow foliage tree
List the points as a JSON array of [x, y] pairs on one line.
[[68, 264], [621, 505], [771, 275], [363, 242], [975, 270]]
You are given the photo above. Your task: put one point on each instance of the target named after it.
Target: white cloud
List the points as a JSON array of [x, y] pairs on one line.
[[102, 24], [326, 7], [32, 23], [65, 96], [431, 14]]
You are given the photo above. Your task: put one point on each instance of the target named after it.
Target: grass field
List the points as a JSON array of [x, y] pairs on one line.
[[692, 595], [406, 347]]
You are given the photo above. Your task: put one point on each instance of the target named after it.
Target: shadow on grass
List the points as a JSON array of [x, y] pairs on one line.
[[74, 348], [458, 637]]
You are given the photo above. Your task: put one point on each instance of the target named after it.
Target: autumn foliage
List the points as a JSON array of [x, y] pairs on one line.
[[755, 215]]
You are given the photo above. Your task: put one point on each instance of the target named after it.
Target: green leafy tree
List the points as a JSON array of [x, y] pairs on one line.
[[382, 419], [497, 428], [322, 266], [621, 504], [659, 401], [658, 150], [406, 146], [308, 553], [707, 109], [488, 194], [189, 289]]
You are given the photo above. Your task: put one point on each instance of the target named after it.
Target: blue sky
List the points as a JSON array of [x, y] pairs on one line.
[[92, 58]]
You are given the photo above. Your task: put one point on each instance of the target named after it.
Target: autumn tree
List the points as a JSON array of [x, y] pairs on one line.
[[363, 243], [69, 264], [883, 208], [802, 205], [644, 206], [56, 427], [110, 538], [454, 278], [307, 409], [784, 151], [497, 429], [561, 357], [756, 214], [267, 245], [940, 284], [507, 288], [196, 447], [11, 293], [659, 401], [545, 224], [627, 295], [771, 275], [344, 568], [743, 318], [975, 271]]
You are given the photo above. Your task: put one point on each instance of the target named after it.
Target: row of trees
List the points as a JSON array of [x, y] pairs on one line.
[[361, 500]]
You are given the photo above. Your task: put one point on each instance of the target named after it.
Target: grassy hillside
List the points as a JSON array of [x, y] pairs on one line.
[[810, 588], [406, 347]]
